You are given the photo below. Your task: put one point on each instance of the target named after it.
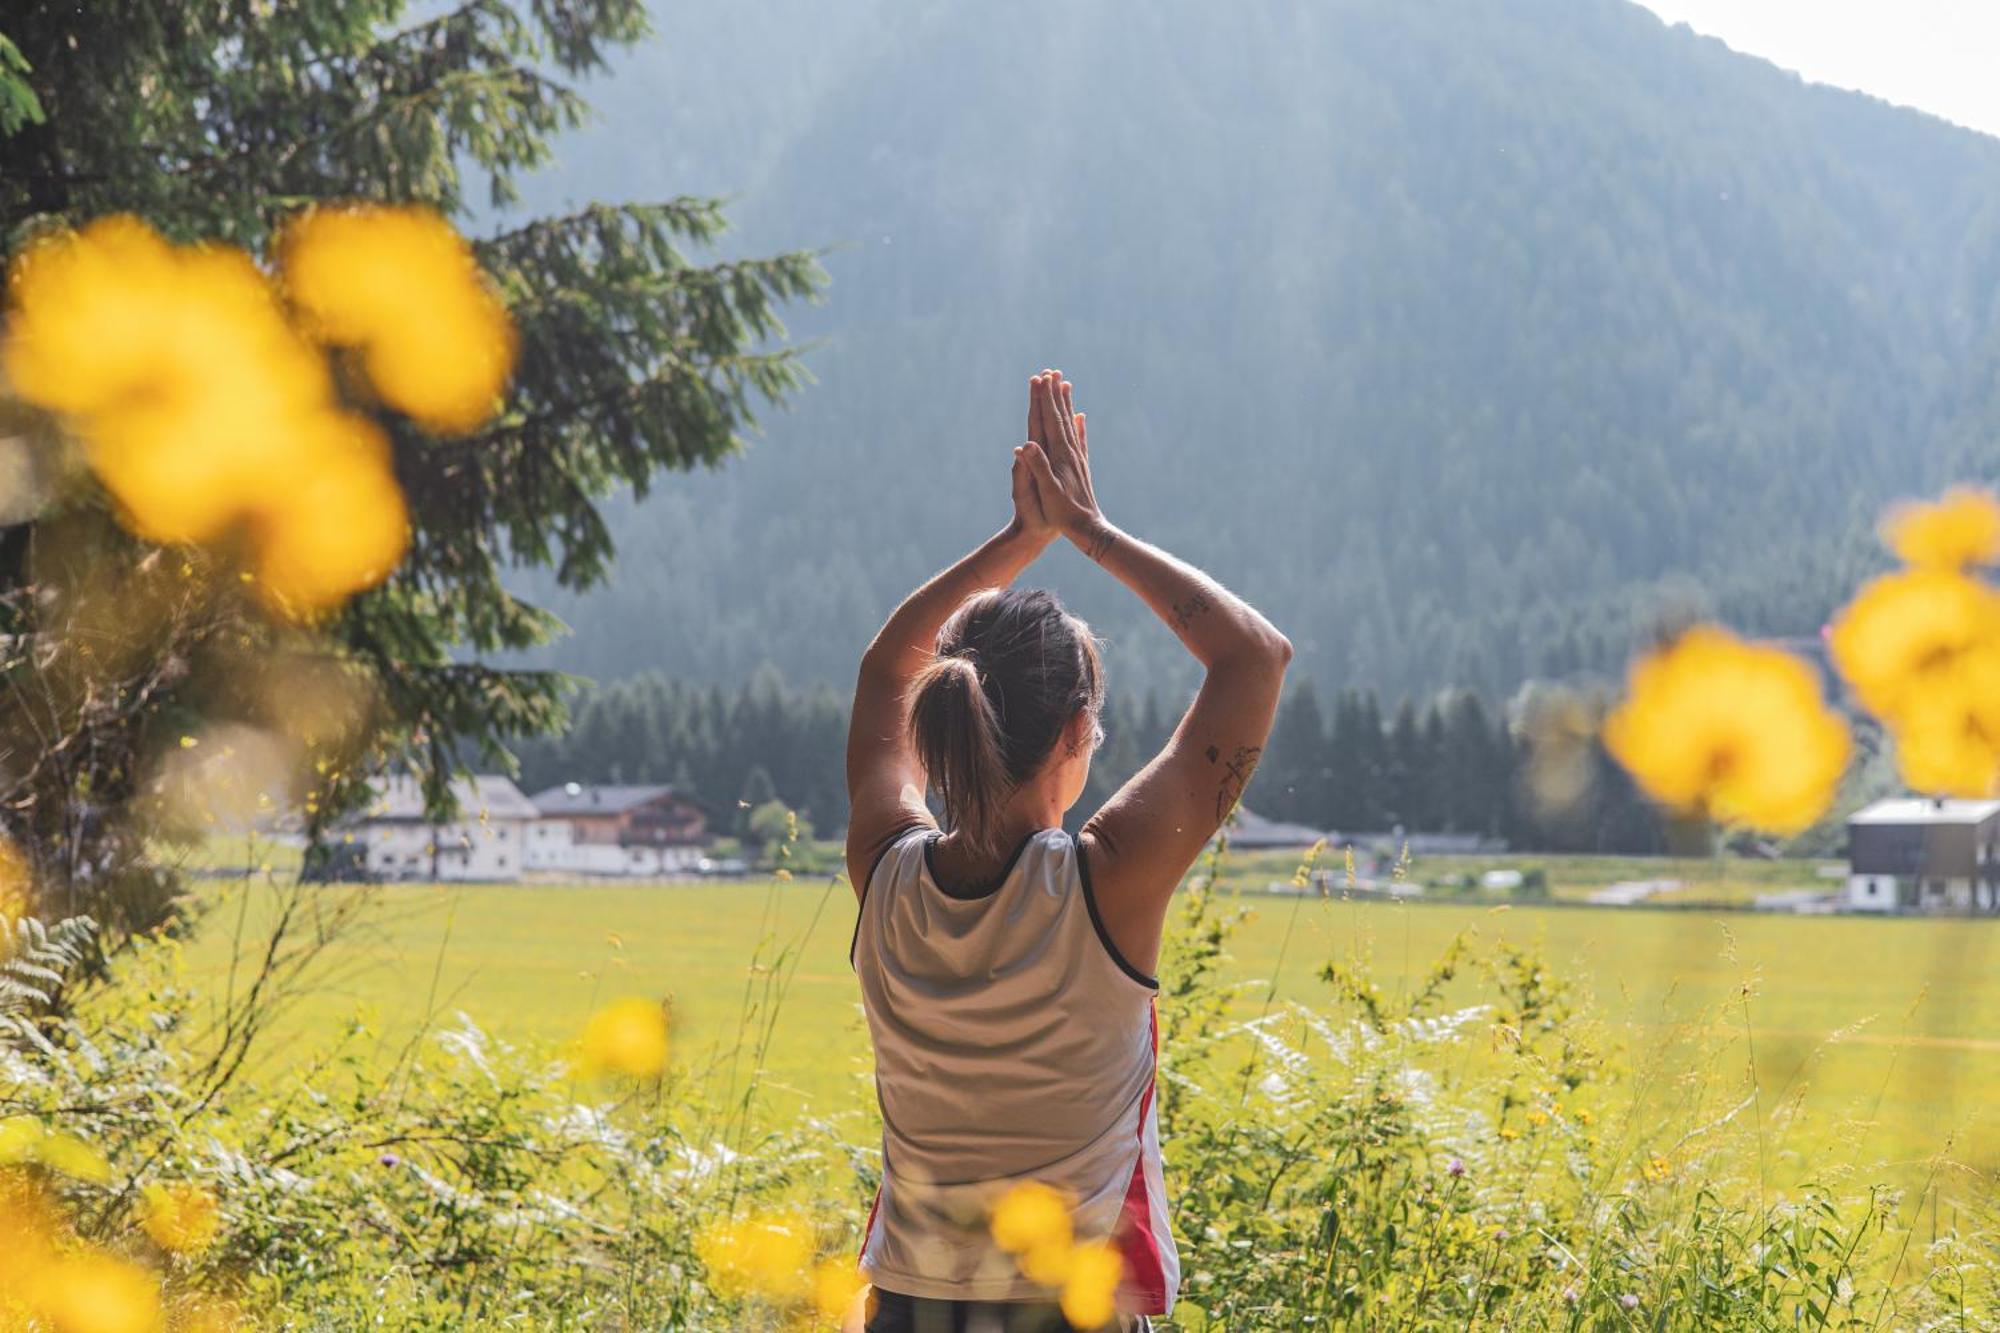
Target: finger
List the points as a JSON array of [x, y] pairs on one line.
[[1035, 420], [1082, 436], [1059, 404], [1061, 449], [1045, 477], [1044, 434]]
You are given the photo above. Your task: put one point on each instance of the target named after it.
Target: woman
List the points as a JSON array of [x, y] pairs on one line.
[[1006, 967]]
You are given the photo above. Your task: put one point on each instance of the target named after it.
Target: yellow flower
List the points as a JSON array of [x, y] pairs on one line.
[[1909, 632], [24, 1141], [1656, 1168], [1921, 650], [1031, 1221], [201, 410], [1948, 742], [764, 1257], [341, 526], [95, 1293], [1089, 1292], [402, 286], [627, 1036], [181, 1218], [1738, 731], [836, 1286], [1961, 529], [1538, 1118]]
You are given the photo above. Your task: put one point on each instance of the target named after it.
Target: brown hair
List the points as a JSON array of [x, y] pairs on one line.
[[1012, 667]]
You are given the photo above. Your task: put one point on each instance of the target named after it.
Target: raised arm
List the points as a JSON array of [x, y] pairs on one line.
[[885, 781], [1146, 836]]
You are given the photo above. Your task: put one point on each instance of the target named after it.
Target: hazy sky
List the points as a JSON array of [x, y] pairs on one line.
[[1940, 56]]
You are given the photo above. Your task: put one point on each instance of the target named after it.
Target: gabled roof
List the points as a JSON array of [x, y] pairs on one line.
[[1924, 810], [576, 798], [484, 796]]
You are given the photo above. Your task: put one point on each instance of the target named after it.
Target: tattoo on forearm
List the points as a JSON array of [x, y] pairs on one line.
[[1101, 542], [1185, 612], [1235, 776]]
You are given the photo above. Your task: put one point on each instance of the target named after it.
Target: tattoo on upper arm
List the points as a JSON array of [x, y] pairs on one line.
[[1100, 543], [1185, 612], [1235, 776]]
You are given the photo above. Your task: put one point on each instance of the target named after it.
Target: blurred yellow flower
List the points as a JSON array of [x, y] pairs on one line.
[[1961, 529], [627, 1036], [1712, 724], [1908, 631], [341, 525], [1032, 1221], [1948, 740], [1921, 650], [181, 1218], [765, 1257], [836, 1285], [95, 1293], [201, 409], [1656, 1168], [401, 285], [23, 1142], [1090, 1291]]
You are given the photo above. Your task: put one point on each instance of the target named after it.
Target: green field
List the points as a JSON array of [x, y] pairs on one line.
[[1880, 1038]]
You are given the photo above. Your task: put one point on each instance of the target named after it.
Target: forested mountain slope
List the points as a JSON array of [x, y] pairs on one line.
[[1460, 336]]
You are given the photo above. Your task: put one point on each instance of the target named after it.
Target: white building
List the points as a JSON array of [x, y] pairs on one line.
[[1917, 854], [486, 841], [616, 830]]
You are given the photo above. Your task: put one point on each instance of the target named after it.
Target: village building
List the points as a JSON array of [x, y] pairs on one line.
[[485, 841], [1916, 854], [1251, 832], [617, 830]]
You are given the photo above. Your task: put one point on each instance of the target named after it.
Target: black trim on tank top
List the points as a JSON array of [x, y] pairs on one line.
[[1097, 922], [854, 940], [974, 893]]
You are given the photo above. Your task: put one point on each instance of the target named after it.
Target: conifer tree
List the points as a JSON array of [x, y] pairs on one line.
[[637, 353]]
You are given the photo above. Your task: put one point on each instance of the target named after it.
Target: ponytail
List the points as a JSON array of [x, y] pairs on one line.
[[960, 745], [1006, 654]]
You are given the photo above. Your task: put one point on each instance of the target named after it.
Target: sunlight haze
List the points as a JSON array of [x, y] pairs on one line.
[[1935, 55]]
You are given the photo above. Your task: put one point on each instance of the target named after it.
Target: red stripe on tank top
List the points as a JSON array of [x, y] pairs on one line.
[[1145, 1281]]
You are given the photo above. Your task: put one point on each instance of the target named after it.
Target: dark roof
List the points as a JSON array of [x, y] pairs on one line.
[[576, 798]]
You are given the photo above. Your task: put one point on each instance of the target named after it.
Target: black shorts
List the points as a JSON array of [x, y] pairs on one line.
[[893, 1312]]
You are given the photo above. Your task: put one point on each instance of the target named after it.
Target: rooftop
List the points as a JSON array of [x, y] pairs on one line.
[[483, 796], [1925, 810], [1253, 830], [577, 798]]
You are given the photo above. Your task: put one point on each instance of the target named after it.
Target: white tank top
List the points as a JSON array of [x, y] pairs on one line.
[[1012, 1043]]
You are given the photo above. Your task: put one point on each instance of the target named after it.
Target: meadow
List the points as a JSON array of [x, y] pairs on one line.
[[1873, 1042]]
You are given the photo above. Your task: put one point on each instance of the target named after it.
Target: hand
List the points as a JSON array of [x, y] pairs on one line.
[[1029, 515], [1058, 458]]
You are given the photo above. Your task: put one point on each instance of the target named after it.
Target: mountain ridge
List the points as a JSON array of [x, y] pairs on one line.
[[1466, 339]]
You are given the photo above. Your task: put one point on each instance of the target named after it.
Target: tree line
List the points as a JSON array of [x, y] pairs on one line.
[[1452, 763]]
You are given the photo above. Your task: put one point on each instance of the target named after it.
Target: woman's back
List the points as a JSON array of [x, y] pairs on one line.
[[1011, 1044], [1013, 1028]]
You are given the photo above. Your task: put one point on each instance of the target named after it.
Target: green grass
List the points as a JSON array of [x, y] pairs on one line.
[[1874, 1040]]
